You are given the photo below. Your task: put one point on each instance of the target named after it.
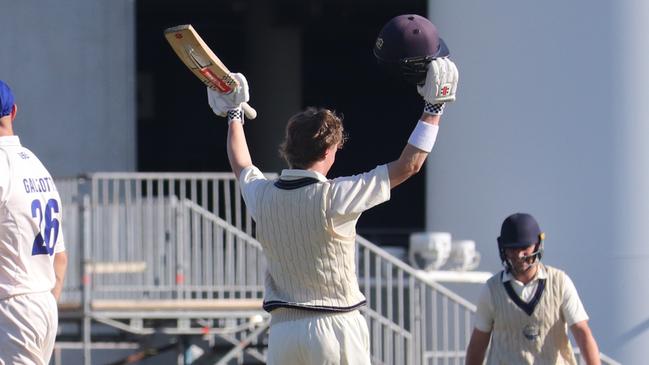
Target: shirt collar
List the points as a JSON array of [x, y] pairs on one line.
[[292, 174], [540, 274], [9, 141]]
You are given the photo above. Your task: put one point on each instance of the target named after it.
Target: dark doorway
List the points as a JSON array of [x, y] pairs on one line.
[[178, 132]]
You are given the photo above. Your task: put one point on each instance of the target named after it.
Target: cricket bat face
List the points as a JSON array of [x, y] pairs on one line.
[[201, 61]]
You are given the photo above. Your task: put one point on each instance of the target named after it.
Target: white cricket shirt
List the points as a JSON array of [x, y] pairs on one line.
[[306, 225], [350, 195], [30, 221], [571, 307]]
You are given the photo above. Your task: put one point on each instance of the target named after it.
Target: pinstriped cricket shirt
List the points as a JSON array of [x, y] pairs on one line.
[[307, 227], [572, 308], [532, 330]]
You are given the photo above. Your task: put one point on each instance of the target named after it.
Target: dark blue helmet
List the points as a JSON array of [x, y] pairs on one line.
[[520, 230], [407, 44]]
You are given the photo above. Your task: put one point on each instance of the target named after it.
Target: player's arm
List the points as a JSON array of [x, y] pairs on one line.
[[230, 105], [586, 342], [412, 158], [477, 347], [575, 315], [484, 321], [238, 152], [60, 266], [440, 87]]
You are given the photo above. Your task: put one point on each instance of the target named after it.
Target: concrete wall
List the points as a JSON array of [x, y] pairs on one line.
[[71, 66], [551, 120]]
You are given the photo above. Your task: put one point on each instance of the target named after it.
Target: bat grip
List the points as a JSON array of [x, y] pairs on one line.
[[249, 111]]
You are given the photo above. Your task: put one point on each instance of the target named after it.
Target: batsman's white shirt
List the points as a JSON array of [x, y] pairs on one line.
[[532, 331], [30, 222], [572, 308], [307, 227], [350, 195]]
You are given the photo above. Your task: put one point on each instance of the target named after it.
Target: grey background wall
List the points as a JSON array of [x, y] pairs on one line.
[[71, 65], [551, 120]]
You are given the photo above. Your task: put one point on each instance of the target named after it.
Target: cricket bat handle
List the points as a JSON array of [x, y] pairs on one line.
[[249, 111]]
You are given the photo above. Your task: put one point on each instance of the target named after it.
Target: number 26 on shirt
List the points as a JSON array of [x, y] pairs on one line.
[[45, 240]]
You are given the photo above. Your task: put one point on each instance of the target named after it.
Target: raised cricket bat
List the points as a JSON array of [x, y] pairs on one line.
[[199, 58]]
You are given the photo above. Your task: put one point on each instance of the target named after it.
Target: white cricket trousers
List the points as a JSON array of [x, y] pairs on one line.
[[28, 326], [301, 337]]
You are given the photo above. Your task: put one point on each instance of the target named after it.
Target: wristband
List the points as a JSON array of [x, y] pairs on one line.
[[434, 109], [424, 136], [235, 115]]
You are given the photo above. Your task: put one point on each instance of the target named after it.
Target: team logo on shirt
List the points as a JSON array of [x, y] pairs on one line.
[[531, 332]]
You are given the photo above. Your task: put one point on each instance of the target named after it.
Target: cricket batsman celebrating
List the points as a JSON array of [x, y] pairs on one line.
[[306, 222]]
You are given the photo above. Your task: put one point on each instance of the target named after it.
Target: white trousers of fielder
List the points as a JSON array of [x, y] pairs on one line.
[[300, 337], [28, 325]]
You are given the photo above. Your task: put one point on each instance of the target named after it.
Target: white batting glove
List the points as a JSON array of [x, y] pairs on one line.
[[221, 103], [441, 82]]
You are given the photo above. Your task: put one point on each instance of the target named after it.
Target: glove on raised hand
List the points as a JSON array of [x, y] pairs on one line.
[[221, 103], [441, 82]]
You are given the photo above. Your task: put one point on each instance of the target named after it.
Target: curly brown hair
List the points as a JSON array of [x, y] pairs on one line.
[[308, 136]]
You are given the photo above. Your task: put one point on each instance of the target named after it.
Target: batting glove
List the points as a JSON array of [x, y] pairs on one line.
[[222, 103], [441, 82]]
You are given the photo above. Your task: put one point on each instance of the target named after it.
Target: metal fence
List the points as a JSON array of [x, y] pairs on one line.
[[411, 320], [154, 237], [161, 253], [72, 208], [189, 234]]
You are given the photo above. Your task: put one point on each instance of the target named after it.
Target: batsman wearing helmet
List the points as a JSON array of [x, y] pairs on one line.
[[33, 259], [524, 310], [306, 222]]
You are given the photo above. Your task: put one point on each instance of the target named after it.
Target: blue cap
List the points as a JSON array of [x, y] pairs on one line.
[[6, 99], [520, 230]]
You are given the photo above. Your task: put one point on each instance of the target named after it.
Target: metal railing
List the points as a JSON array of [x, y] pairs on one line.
[[190, 231], [606, 360], [189, 237], [162, 221], [72, 205], [411, 320]]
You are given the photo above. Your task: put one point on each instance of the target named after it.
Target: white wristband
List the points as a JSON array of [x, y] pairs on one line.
[[424, 136]]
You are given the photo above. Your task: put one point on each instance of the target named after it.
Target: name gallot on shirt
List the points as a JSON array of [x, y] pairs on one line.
[[39, 185]]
